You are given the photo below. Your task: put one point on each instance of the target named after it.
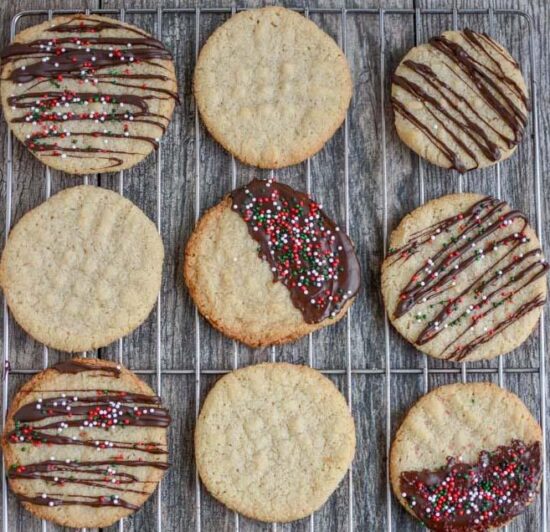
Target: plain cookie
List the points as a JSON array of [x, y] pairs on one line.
[[267, 265], [271, 87], [464, 278], [87, 94], [85, 443], [467, 457], [460, 101], [82, 269], [273, 441]]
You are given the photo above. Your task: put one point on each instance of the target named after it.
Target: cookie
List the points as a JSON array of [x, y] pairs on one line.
[[83, 269], [467, 457], [460, 101], [85, 443], [267, 265], [271, 87], [87, 94], [273, 441], [464, 278]]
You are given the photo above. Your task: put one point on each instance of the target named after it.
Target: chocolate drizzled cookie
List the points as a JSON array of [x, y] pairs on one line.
[[465, 278], [460, 101], [82, 435], [86, 93]]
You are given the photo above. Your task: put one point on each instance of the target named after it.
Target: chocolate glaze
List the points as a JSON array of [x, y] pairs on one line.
[[37, 437], [78, 500], [35, 411], [504, 482], [476, 75], [75, 366], [93, 26], [300, 218], [61, 473], [81, 57], [482, 220]]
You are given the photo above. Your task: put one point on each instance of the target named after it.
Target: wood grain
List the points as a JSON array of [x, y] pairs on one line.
[[196, 171]]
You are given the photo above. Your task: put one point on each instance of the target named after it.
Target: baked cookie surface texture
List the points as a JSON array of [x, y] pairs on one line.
[[467, 457], [87, 94], [272, 87], [267, 265], [273, 441], [464, 278], [460, 101], [85, 443], [82, 269]]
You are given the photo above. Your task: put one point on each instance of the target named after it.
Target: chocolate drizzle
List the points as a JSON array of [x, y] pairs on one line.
[[77, 365], [307, 252], [81, 411], [475, 497], [92, 474], [87, 58], [455, 114], [468, 238]]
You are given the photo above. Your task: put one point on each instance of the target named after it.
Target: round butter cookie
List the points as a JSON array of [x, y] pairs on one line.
[[87, 94], [460, 101], [273, 441], [467, 457], [272, 87], [85, 443], [266, 265], [82, 269], [464, 278]]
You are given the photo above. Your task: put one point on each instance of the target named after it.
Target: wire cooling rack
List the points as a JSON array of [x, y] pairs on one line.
[[388, 371]]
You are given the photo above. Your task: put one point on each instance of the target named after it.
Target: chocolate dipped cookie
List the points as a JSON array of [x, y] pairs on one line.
[[267, 265]]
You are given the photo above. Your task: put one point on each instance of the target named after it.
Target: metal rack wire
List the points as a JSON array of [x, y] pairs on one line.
[[388, 371]]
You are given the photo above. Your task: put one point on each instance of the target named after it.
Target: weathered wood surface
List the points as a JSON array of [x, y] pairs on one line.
[[370, 136]]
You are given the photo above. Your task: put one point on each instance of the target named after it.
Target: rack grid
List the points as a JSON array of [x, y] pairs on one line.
[[378, 16]]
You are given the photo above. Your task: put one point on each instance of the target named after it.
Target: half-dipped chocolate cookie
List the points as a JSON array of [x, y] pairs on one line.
[[467, 457], [267, 265], [87, 94], [85, 443], [460, 101], [465, 278]]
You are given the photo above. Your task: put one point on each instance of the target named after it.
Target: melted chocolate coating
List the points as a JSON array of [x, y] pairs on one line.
[[305, 249], [61, 473], [75, 366], [475, 497]]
